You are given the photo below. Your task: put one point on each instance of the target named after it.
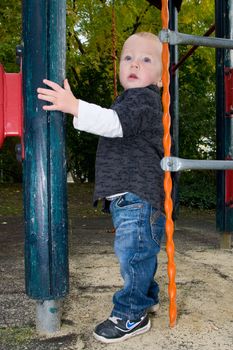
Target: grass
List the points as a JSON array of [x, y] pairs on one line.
[[14, 336], [80, 202], [80, 199], [11, 203]]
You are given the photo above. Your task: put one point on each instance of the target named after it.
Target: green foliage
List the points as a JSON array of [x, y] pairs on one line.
[[90, 63], [81, 154], [197, 82], [197, 107], [10, 33], [10, 168], [90, 68], [198, 189], [90, 72]]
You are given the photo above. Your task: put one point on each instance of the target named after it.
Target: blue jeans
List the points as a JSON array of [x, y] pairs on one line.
[[139, 229]]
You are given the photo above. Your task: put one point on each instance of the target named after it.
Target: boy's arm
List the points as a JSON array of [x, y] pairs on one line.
[[87, 116], [97, 120]]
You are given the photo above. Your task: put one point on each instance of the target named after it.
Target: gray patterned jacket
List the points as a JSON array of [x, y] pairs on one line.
[[132, 163]]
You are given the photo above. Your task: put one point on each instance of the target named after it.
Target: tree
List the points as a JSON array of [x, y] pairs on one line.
[[197, 82], [10, 33], [90, 65]]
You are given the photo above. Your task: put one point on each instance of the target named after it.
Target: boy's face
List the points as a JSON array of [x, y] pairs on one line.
[[140, 63]]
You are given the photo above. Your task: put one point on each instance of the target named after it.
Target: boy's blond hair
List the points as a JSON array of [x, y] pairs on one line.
[[148, 35]]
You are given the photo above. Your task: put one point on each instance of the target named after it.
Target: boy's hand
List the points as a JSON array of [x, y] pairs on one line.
[[62, 99]]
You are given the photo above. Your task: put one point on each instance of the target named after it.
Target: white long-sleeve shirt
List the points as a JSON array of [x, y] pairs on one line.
[[97, 120]]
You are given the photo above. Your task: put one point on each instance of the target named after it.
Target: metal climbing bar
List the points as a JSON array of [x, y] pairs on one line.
[[192, 50], [168, 205], [178, 164], [176, 38]]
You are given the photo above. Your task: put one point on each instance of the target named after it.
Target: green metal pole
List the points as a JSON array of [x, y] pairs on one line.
[[174, 106], [45, 197], [225, 240], [220, 114], [224, 211]]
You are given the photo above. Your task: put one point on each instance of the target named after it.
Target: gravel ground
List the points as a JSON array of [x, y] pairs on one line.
[[204, 281]]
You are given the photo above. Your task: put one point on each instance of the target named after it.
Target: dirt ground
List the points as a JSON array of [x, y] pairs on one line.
[[204, 281]]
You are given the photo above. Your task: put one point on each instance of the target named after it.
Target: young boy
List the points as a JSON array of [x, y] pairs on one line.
[[128, 174]]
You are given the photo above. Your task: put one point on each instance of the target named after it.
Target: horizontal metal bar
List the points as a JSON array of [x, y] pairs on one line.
[[178, 164], [176, 38], [192, 50]]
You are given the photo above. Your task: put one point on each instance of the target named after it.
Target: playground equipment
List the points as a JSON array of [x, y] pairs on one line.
[[11, 107], [44, 166], [44, 162], [169, 163], [46, 243]]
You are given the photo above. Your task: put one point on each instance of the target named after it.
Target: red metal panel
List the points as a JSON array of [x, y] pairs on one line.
[[229, 188], [11, 106], [229, 113], [229, 91], [1, 105], [13, 123]]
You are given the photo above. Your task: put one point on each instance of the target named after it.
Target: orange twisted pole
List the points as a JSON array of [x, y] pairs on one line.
[[170, 247]]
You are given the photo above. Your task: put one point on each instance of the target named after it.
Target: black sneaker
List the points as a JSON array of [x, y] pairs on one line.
[[115, 330]]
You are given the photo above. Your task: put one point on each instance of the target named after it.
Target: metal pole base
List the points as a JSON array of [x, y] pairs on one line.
[[48, 316], [225, 240]]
